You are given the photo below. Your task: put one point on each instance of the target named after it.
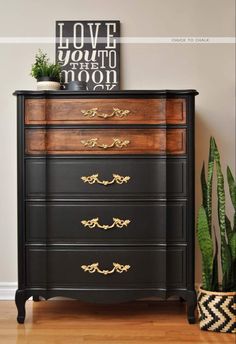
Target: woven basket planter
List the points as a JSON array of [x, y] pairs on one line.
[[217, 311]]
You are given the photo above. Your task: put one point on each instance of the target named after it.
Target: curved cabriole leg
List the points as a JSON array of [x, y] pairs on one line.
[[191, 306], [36, 298], [20, 300]]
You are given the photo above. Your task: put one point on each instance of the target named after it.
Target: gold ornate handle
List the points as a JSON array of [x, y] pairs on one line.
[[93, 142], [116, 179], [95, 223], [94, 267], [115, 113]]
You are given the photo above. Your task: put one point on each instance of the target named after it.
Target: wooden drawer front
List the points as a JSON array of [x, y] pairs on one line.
[[114, 177], [88, 111], [106, 223], [105, 141], [141, 267]]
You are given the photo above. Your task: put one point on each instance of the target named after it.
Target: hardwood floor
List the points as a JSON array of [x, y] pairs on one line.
[[74, 322]]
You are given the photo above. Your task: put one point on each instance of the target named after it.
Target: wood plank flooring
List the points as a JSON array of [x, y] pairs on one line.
[[74, 322]]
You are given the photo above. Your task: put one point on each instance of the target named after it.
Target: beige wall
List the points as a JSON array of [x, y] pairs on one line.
[[208, 68]]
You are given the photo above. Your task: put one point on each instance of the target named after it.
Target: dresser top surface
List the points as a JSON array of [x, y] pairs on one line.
[[121, 93]]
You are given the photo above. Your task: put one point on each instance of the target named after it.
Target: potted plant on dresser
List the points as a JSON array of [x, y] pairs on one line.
[[47, 74], [217, 295]]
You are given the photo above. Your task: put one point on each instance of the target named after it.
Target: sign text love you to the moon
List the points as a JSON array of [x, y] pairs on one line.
[[89, 51]]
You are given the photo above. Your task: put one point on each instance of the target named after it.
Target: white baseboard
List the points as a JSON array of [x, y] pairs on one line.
[[7, 290]]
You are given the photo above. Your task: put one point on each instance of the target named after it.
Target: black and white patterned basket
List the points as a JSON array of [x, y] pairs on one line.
[[217, 311]]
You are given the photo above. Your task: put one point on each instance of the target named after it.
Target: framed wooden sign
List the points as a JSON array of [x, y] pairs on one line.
[[89, 51]]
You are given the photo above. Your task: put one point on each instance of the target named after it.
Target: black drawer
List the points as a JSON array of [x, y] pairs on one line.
[[104, 177], [103, 223], [114, 268]]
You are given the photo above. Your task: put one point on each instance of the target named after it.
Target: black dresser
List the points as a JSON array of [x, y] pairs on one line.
[[105, 196]]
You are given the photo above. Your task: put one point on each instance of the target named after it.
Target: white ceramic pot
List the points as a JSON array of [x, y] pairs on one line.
[[48, 85]]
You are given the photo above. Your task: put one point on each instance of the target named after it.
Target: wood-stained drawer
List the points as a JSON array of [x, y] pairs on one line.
[[105, 141], [106, 111], [105, 267], [105, 223], [105, 177]]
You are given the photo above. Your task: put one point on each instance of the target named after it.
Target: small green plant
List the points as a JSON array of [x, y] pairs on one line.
[[43, 68], [206, 232]]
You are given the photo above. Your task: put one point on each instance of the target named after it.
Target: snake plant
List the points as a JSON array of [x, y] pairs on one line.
[[225, 232]]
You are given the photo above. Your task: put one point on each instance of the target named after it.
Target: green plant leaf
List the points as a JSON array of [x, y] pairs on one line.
[[204, 186], [233, 276], [228, 227], [232, 244], [206, 247], [209, 183], [215, 274], [220, 193], [232, 192], [232, 186], [226, 259]]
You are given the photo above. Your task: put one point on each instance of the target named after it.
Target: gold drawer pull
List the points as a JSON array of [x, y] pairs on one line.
[[115, 113], [95, 223], [93, 142], [95, 268], [116, 179]]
